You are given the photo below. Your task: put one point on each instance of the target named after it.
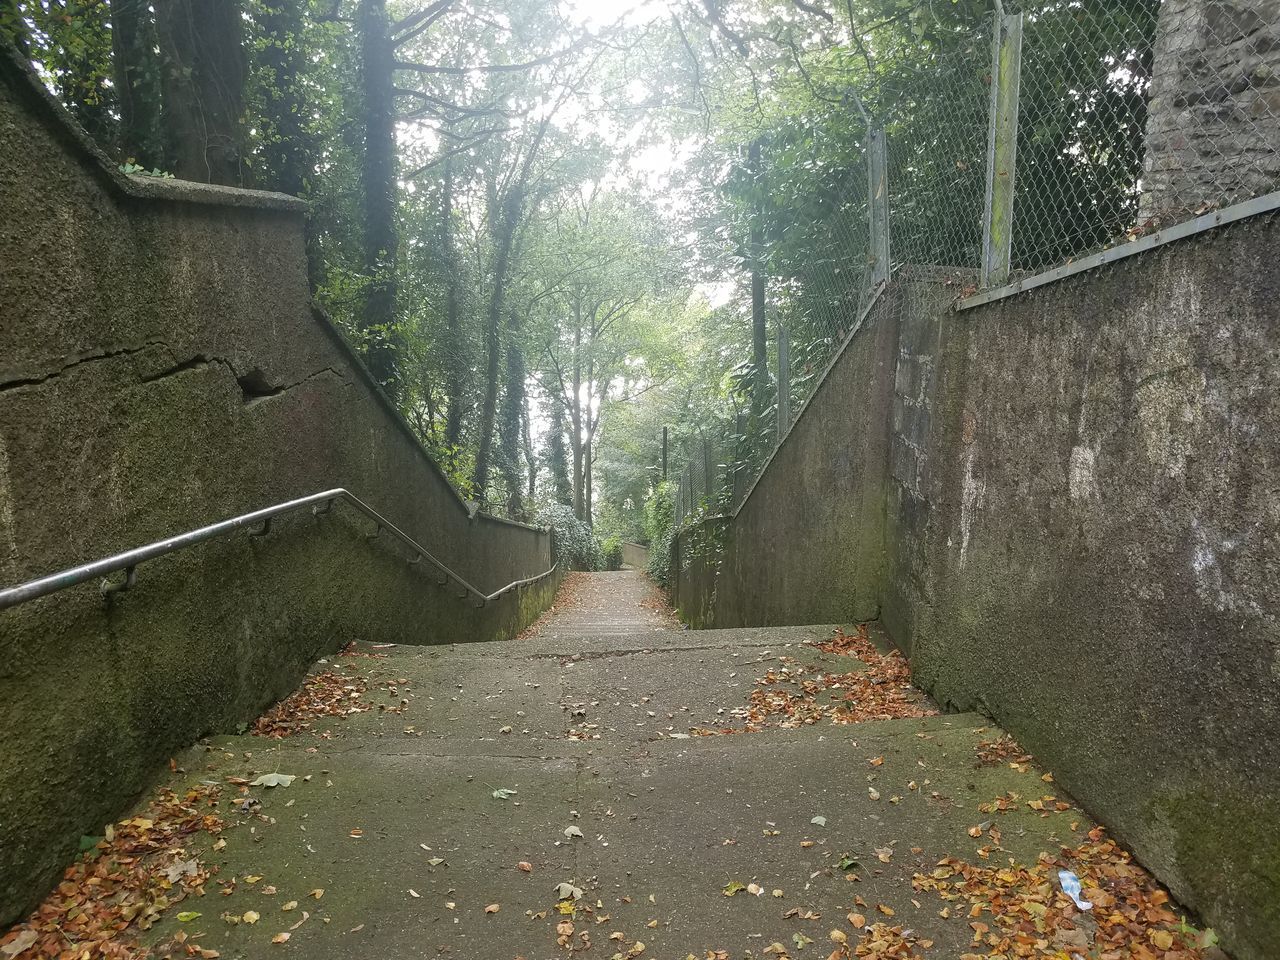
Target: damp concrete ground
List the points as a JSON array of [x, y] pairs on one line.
[[441, 822]]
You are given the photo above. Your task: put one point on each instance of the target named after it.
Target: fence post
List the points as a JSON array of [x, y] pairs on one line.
[[878, 203], [1002, 147], [784, 383], [706, 470]]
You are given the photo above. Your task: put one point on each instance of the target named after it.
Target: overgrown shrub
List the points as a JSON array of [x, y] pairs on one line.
[[659, 512], [576, 546], [612, 552]]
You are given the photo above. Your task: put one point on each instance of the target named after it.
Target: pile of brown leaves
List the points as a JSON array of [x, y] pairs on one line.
[[883, 691], [326, 694], [1016, 911], [123, 885], [1003, 749], [889, 943]]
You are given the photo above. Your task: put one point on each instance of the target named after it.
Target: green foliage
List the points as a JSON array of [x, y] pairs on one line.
[[623, 293], [611, 553], [135, 170], [659, 528], [576, 545]]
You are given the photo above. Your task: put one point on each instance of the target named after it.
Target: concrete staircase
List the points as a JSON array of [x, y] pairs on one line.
[[394, 813]]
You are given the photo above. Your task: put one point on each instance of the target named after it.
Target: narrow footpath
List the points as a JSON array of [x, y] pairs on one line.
[[612, 785]]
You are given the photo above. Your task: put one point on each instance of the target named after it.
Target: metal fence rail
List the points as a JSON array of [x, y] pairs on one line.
[[1043, 137], [319, 503]]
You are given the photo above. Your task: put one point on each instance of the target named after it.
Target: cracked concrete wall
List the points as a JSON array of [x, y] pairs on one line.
[[1081, 525], [161, 367]]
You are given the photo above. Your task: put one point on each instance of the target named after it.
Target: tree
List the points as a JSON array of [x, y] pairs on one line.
[[203, 71], [382, 237]]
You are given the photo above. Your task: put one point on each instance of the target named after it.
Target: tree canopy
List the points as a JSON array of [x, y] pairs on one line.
[[555, 227]]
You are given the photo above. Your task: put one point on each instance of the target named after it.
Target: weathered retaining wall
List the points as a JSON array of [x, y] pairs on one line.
[[1081, 528], [161, 367], [635, 555], [828, 499]]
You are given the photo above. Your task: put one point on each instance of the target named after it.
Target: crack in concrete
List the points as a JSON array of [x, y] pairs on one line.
[[107, 353], [253, 398], [198, 362]]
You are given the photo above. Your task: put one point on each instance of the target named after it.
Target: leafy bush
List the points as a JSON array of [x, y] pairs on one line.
[[576, 546], [612, 553], [659, 513]]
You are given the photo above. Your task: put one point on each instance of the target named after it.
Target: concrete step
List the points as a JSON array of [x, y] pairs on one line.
[[667, 819], [665, 824]]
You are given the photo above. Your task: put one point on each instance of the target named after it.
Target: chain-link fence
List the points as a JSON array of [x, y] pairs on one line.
[[1003, 150]]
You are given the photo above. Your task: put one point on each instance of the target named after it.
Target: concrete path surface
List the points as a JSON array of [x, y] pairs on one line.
[[556, 796]]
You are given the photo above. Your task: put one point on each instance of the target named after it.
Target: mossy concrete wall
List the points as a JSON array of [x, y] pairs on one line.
[[1080, 529], [825, 496], [161, 367]]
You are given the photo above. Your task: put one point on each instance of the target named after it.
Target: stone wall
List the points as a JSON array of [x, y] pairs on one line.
[[1079, 529], [635, 555], [161, 368], [1213, 128]]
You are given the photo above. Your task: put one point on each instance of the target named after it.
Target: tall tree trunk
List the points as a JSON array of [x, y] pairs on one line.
[[505, 214], [286, 147], [506, 233], [586, 484], [203, 69], [557, 460], [511, 420], [135, 73], [759, 330], [455, 349], [381, 238], [575, 412], [530, 458]]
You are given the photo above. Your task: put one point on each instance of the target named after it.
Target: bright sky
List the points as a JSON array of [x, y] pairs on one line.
[[599, 13]]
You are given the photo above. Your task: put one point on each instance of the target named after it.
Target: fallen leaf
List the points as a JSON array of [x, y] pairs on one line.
[[274, 780], [251, 916], [819, 821], [525, 866], [572, 832], [493, 908], [21, 942], [186, 916], [502, 793], [281, 937], [415, 894]]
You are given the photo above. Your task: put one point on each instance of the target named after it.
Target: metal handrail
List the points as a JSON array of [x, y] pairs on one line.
[[319, 502]]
